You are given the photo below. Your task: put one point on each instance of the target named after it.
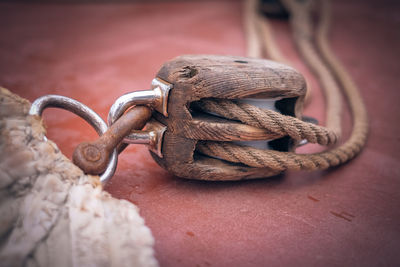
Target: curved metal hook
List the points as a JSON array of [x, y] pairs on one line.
[[83, 111]]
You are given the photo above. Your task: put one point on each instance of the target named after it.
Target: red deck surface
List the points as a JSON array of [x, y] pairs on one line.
[[96, 52]]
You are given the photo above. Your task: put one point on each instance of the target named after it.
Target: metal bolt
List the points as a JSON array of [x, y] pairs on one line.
[[92, 157]]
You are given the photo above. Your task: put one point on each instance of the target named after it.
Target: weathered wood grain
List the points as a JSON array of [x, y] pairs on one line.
[[195, 77]]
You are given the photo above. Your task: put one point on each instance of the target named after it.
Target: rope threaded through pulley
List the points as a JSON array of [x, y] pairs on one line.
[[321, 60]]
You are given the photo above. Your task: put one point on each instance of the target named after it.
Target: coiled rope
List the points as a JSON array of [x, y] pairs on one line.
[[326, 67]]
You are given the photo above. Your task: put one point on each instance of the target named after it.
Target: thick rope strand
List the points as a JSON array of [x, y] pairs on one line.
[[279, 124], [254, 48], [288, 160], [303, 34], [258, 30]]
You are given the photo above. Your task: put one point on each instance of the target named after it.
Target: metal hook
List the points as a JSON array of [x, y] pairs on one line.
[[83, 111]]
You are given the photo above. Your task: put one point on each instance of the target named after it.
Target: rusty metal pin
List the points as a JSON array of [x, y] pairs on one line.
[[92, 157]]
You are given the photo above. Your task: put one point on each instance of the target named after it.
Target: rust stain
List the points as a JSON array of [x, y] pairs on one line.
[[313, 198], [343, 215], [190, 233]]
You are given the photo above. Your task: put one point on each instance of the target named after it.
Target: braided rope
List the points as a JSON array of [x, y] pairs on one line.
[[325, 69], [254, 46], [276, 160], [274, 122], [303, 34], [259, 30]]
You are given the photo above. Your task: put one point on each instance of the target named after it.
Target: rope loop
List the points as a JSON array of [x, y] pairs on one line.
[[314, 48]]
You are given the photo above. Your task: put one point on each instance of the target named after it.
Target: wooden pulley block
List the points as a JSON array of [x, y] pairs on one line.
[[197, 77]]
